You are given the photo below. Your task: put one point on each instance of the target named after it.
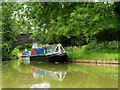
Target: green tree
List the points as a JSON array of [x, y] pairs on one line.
[[81, 19], [9, 32], [69, 23]]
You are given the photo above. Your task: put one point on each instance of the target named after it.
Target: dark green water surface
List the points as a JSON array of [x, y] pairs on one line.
[[26, 74]]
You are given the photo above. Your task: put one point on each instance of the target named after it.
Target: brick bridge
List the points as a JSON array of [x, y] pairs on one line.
[[24, 39]]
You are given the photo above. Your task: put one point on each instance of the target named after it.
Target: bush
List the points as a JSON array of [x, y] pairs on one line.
[[72, 48], [85, 47], [15, 53], [68, 48], [108, 46]]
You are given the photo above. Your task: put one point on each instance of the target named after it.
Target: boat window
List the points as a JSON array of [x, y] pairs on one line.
[[44, 51], [51, 49], [62, 50], [57, 49]]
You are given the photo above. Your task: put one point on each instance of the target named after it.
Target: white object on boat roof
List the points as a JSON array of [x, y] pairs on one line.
[[36, 45], [25, 49]]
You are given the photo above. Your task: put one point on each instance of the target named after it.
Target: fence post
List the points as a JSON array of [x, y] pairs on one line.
[[95, 61], [102, 61], [106, 60]]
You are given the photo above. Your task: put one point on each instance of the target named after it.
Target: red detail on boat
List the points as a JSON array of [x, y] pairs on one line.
[[33, 69], [32, 52]]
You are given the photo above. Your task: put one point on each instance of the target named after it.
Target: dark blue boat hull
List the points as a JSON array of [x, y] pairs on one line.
[[50, 58]]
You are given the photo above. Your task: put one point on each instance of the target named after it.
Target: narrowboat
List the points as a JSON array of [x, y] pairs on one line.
[[25, 54], [48, 53]]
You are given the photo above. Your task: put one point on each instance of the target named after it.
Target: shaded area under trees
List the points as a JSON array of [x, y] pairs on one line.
[[68, 23]]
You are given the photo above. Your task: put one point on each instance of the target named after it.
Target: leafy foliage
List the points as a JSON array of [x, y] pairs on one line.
[[15, 53], [68, 23], [9, 32], [104, 45], [75, 19]]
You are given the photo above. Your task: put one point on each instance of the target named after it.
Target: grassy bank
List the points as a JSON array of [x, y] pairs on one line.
[[83, 53]]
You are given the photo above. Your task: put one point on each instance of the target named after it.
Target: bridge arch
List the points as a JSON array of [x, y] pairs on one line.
[[24, 39]]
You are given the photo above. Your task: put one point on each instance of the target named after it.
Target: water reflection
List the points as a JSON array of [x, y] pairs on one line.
[[57, 75], [26, 74], [42, 85], [26, 61]]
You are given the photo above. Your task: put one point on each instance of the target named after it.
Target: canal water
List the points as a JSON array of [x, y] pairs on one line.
[[26, 74]]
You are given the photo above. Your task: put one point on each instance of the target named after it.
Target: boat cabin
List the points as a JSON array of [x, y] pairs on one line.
[[37, 49], [48, 53]]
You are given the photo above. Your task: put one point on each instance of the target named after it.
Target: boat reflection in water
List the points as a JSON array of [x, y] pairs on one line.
[[44, 72], [26, 60], [42, 85], [49, 71]]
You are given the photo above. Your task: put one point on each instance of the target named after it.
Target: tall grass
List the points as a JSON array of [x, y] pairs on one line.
[[94, 51]]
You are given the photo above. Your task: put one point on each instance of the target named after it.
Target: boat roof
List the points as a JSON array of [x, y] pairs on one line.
[[47, 45], [50, 45]]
